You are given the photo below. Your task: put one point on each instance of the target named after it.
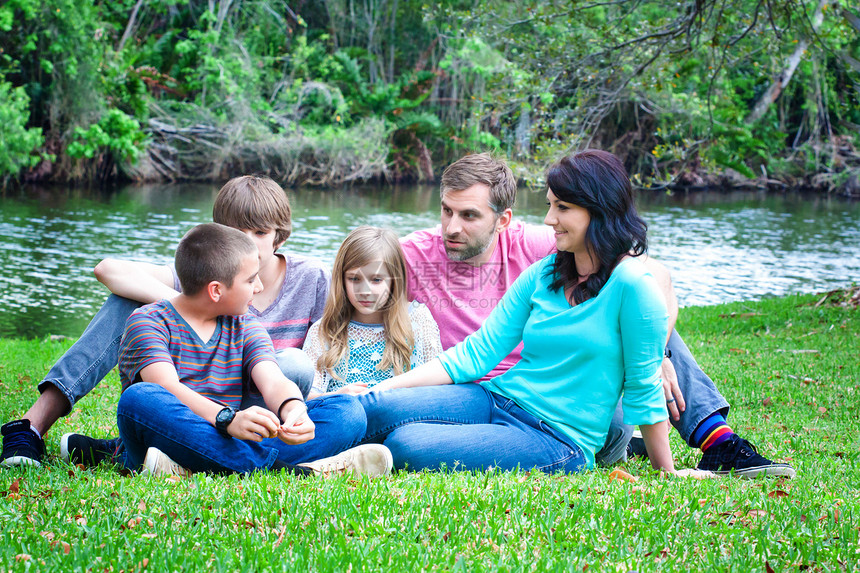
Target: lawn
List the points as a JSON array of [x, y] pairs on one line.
[[789, 368]]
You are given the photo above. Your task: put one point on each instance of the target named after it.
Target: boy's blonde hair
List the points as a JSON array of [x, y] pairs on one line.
[[362, 246], [251, 202], [210, 252]]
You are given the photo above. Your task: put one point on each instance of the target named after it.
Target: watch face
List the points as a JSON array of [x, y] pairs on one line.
[[225, 416]]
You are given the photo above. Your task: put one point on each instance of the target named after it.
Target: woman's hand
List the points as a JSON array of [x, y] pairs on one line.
[[692, 473], [354, 389]]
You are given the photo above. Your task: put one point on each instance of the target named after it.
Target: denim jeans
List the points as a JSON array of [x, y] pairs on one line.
[[700, 394], [464, 427], [96, 352], [150, 416]]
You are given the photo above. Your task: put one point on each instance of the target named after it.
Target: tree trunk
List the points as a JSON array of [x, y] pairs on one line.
[[782, 79], [132, 20]]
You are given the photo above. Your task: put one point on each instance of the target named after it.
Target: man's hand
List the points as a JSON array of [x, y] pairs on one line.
[[354, 389], [254, 424], [297, 427], [674, 399]]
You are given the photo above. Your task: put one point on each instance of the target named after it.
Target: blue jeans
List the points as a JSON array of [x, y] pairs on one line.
[[150, 416], [464, 427], [700, 394], [96, 352]]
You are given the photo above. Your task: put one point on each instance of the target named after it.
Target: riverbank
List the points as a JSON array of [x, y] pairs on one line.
[[788, 366]]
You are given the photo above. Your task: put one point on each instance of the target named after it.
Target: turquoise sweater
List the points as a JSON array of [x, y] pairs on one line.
[[576, 361]]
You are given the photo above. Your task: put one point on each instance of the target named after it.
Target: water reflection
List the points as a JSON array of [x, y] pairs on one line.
[[720, 246]]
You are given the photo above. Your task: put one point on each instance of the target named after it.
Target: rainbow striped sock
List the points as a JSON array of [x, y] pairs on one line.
[[712, 431]]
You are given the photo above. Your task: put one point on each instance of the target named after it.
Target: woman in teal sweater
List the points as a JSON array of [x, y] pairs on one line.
[[593, 325]]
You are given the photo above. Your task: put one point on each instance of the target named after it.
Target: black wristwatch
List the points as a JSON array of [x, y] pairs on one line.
[[223, 419]]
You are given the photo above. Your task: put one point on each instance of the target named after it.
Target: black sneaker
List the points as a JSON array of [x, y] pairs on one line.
[[740, 457], [21, 445], [636, 446], [89, 452]]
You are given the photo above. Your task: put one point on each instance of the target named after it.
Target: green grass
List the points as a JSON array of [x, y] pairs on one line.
[[789, 369]]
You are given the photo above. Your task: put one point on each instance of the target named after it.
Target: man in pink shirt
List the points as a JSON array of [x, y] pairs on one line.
[[462, 269]]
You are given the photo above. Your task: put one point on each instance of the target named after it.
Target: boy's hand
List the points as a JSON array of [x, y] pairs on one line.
[[355, 389], [297, 427], [254, 424]]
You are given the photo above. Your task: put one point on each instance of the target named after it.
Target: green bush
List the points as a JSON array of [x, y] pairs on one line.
[[116, 133], [18, 144]]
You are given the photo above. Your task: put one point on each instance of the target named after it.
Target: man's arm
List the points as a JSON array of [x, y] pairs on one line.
[[143, 282], [664, 281], [252, 424]]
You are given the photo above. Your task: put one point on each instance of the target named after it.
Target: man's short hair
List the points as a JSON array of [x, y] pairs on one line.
[[251, 202], [482, 168], [210, 252]]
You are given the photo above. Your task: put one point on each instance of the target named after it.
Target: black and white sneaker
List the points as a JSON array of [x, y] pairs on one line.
[[87, 451], [739, 457], [21, 445]]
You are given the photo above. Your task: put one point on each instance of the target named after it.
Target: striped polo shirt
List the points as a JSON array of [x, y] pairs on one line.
[[214, 368]]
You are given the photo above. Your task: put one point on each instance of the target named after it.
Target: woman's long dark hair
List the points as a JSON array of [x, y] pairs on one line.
[[597, 181]]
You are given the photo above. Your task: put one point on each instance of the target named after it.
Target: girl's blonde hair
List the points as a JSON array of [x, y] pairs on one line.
[[362, 246]]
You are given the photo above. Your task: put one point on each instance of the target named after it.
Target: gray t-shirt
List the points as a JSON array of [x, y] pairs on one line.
[[299, 303]]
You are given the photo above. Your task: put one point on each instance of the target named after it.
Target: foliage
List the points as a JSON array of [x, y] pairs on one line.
[[669, 88], [116, 133], [787, 367], [17, 143]]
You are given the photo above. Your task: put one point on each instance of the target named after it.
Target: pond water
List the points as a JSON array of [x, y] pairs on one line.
[[720, 246]]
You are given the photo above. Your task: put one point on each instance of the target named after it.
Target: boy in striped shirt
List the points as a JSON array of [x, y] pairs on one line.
[[293, 298], [183, 364]]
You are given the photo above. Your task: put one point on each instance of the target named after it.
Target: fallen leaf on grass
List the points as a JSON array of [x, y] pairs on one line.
[[621, 475], [280, 536], [66, 547], [141, 506], [767, 401], [822, 410], [15, 487], [768, 568], [23, 557], [777, 493]]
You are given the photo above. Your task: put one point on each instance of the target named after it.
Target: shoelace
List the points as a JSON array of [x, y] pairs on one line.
[[336, 467], [22, 440]]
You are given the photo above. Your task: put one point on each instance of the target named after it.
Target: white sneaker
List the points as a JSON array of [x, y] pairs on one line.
[[158, 463], [369, 459]]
